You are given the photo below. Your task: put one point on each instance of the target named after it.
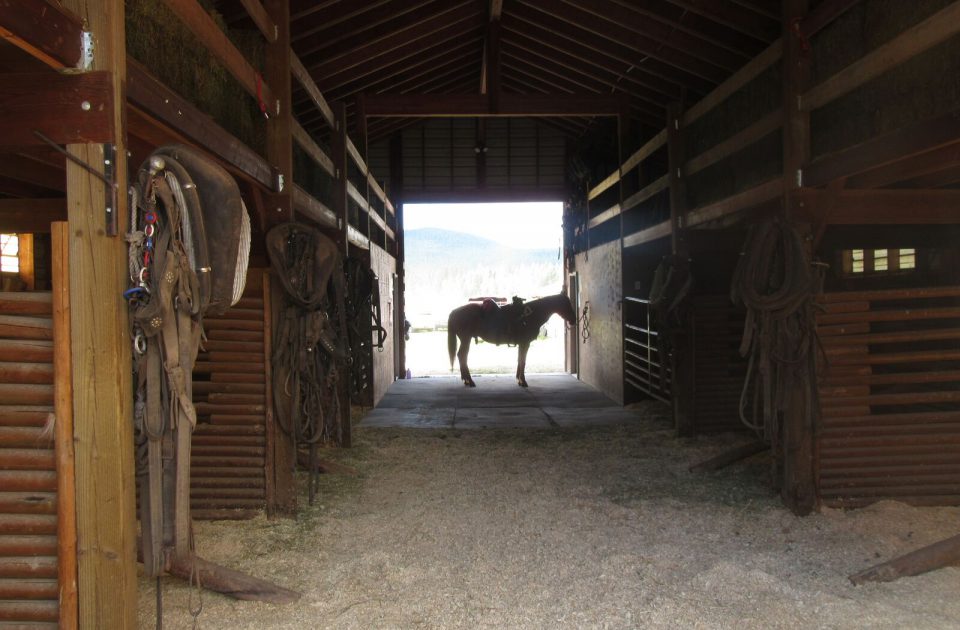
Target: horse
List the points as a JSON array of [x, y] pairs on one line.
[[517, 323]]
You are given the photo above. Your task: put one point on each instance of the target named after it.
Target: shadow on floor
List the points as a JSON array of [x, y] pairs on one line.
[[497, 402]]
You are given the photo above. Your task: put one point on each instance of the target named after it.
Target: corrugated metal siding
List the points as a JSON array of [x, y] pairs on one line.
[[229, 389], [719, 368], [890, 397], [28, 480], [440, 155], [601, 355]]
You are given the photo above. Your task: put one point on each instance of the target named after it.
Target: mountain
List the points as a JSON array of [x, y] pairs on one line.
[[445, 268]]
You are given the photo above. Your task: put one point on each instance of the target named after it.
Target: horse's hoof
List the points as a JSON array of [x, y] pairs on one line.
[[522, 383], [469, 384]]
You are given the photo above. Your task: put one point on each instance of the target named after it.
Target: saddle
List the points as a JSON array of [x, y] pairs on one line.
[[178, 274]]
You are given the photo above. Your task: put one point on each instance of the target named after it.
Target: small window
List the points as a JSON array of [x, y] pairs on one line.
[[862, 262], [9, 253]]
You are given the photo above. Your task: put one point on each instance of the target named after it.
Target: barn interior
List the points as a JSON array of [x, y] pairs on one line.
[[761, 214]]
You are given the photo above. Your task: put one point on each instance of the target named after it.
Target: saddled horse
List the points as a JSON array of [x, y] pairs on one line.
[[517, 323]]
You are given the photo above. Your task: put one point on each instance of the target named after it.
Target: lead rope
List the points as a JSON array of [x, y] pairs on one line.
[[195, 610], [584, 322]]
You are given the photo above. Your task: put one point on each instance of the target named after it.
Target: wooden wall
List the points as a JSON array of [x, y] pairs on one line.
[[384, 368], [601, 355], [29, 590]]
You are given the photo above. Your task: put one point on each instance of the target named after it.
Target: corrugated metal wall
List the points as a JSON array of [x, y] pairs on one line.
[[229, 457], [890, 397], [719, 368], [440, 156], [29, 589], [601, 355]]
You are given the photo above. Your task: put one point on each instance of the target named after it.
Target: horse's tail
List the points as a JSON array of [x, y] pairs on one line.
[[451, 342]]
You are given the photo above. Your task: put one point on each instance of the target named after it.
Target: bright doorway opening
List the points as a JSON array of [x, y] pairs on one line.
[[454, 253]]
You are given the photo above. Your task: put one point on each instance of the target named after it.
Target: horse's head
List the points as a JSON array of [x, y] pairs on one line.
[[565, 308]]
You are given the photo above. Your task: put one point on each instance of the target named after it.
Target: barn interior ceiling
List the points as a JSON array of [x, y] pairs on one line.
[[646, 53]]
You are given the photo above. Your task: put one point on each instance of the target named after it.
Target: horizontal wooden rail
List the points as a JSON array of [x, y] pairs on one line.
[[302, 75], [309, 206], [648, 234], [755, 196], [632, 162], [361, 201], [651, 189], [606, 215], [45, 30], [935, 29], [162, 104], [755, 132], [302, 138], [199, 22], [261, 19]]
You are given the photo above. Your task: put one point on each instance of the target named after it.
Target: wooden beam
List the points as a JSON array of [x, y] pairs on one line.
[[936, 556], [918, 166], [280, 123], [63, 107], [168, 107], [937, 28], [199, 22], [310, 207], [886, 149], [31, 215], [475, 105], [733, 204], [310, 87], [312, 149], [824, 13], [63, 442], [794, 447], [26, 169], [652, 233], [268, 26], [754, 133], [730, 14], [101, 356], [882, 207], [45, 30], [736, 81]]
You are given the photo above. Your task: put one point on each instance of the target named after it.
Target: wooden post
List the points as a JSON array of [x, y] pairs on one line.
[[280, 123], [797, 487], [338, 153], [284, 453], [63, 411], [396, 191], [100, 346], [683, 361]]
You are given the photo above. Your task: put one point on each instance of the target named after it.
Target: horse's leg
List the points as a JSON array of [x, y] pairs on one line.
[[522, 363], [462, 355]]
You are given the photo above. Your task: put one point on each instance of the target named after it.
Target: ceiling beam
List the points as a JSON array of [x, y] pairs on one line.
[[44, 29], [572, 37], [563, 52], [476, 105], [415, 25], [735, 15], [584, 22]]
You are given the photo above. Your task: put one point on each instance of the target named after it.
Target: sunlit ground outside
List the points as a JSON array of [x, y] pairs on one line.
[[424, 349], [456, 252]]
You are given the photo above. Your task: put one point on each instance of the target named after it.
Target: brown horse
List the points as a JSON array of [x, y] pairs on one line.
[[517, 323]]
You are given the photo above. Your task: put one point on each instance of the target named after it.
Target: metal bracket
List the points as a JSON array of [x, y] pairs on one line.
[[86, 54]]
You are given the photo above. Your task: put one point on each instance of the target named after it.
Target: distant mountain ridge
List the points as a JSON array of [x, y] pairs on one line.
[[430, 245], [444, 268]]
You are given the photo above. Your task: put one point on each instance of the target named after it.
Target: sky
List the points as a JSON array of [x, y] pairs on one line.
[[533, 225]]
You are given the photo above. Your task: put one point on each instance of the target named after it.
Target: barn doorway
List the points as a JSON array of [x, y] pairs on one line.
[[457, 252]]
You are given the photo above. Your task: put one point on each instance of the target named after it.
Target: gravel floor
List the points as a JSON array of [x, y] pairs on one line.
[[566, 528]]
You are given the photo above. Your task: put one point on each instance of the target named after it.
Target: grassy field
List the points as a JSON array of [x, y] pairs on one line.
[[427, 356]]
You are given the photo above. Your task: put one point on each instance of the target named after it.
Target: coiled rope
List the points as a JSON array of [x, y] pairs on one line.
[[777, 283]]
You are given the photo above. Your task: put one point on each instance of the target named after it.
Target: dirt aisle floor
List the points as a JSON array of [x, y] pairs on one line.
[[566, 528]]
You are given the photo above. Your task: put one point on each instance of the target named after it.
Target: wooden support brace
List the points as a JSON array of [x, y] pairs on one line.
[[730, 456], [936, 556]]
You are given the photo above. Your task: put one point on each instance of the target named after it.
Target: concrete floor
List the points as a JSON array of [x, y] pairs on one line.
[[497, 402]]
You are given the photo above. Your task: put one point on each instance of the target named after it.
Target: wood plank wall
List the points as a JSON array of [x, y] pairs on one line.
[[29, 590], [890, 397]]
